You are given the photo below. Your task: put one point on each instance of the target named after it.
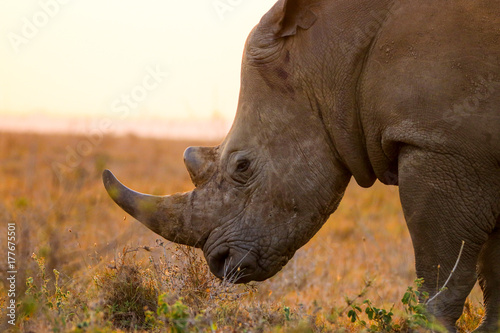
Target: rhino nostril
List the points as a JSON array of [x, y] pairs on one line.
[[232, 266], [219, 262]]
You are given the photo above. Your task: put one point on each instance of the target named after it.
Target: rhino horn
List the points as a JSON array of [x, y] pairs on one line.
[[200, 162], [169, 216]]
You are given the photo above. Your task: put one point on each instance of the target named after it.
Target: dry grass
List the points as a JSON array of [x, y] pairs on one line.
[[115, 269]]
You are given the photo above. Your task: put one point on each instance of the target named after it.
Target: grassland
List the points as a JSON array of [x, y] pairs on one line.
[[85, 266]]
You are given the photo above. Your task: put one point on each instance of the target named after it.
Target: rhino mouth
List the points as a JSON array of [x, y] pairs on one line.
[[240, 263]]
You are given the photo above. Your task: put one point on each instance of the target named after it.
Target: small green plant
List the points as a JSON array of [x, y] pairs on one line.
[[39, 293], [381, 320], [50, 300], [381, 317], [286, 310], [176, 315], [414, 306]]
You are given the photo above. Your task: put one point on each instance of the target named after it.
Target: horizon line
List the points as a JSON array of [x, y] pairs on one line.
[[214, 128]]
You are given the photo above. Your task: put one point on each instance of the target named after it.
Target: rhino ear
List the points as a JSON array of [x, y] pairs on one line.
[[286, 16]]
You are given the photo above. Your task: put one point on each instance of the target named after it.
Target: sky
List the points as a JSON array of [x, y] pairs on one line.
[[124, 58]]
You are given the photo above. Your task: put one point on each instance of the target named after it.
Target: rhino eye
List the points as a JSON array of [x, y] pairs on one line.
[[242, 165], [241, 170]]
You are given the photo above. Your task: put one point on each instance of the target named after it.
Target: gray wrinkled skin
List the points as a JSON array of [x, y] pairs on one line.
[[405, 92]]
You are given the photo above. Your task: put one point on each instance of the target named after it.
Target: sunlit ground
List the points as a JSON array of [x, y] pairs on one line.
[[50, 186]]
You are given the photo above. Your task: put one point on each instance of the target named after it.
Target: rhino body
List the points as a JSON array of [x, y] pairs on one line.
[[404, 92]]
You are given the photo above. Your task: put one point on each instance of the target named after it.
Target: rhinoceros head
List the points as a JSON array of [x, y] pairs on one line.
[[271, 184]]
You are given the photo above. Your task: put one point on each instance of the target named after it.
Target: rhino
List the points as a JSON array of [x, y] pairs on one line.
[[403, 92]]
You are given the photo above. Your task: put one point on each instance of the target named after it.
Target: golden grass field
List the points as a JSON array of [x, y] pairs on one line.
[[64, 216]]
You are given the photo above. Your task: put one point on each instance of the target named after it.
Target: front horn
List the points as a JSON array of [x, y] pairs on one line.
[[169, 216]]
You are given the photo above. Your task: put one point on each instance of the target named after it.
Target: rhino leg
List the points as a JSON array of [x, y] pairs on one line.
[[489, 280], [446, 200]]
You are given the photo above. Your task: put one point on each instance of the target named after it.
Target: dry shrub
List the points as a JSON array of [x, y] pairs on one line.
[[128, 291], [173, 288], [471, 317]]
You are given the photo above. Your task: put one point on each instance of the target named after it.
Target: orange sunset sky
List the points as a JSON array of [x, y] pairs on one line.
[[75, 62]]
